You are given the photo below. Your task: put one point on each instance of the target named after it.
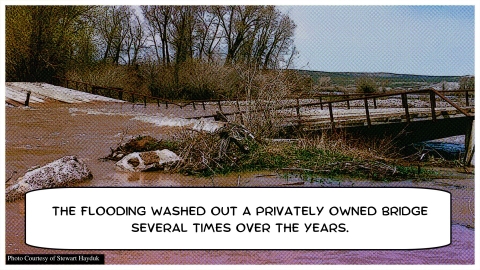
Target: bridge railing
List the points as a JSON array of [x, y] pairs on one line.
[[334, 100], [432, 94]]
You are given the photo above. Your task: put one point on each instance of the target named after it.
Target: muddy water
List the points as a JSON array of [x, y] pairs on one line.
[[39, 136]]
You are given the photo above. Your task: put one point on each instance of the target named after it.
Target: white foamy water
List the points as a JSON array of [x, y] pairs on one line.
[[200, 124], [157, 119]]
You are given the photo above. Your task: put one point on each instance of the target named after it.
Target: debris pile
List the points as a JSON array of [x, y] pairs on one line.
[[198, 151], [213, 151]]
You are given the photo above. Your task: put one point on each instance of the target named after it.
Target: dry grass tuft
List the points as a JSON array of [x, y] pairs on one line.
[[354, 147]]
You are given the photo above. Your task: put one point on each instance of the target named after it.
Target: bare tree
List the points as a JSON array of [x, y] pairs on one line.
[[112, 29], [159, 18], [207, 33], [280, 43], [135, 39], [182, 32], [238, 22]]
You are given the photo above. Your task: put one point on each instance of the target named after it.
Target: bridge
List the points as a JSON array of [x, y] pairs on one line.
[[406, 116]]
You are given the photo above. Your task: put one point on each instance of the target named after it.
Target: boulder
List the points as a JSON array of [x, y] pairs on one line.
[[148, 161], [59, 173]]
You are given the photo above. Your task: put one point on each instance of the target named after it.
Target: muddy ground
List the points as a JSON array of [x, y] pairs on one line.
[[39, 135]]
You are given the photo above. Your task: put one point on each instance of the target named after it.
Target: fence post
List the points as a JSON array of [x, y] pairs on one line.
[[348, 102], [133, 98], [467, 103], [27, 100], [145, 101], [405, 105], [374, 103], [193, 105], [330, 110], [432, 105], [367, 112], [219, 105], [203, 105], [120, 95]]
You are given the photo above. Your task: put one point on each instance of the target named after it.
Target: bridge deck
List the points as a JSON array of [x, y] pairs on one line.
[[320, 119]]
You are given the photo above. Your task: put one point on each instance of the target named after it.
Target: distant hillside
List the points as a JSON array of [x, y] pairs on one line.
[[394, 80]]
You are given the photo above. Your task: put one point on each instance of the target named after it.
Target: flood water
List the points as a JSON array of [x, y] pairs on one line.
[[40, 135]]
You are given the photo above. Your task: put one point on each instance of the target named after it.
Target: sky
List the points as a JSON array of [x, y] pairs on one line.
[[424, 40]]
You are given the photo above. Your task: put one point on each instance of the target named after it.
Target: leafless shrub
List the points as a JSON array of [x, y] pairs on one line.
[[325, 81], [110, 75], [467, 83], [266, 95], [201, 152]]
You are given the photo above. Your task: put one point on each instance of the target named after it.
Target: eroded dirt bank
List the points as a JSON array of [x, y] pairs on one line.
[[39, 135]]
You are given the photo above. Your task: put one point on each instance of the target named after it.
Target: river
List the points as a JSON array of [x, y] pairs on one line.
[[40, 135]]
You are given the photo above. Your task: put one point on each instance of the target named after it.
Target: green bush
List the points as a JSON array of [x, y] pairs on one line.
[[366, 85]]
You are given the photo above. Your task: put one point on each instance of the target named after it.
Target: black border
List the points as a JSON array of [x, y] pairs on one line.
[[25, 225]]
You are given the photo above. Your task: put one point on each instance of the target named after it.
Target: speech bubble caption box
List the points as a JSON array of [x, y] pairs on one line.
[[238, 218]]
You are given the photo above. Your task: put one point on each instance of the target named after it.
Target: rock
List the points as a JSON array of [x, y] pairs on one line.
[[59, 173], [148, 161]]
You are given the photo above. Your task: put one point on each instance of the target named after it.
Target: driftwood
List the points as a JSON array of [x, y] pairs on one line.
[[238, 134], [136, 144], [298, 170], [293, 184]]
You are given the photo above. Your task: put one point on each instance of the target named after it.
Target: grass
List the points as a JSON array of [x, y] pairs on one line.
[[311, 158]]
